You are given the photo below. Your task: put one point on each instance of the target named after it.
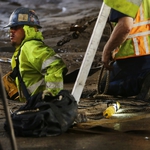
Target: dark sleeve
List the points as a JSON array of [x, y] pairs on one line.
[[115, 15]]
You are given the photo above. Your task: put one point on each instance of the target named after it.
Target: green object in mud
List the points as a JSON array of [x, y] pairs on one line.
[[129, 7]]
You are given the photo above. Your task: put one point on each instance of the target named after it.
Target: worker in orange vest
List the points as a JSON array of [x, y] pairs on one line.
[[129, 48]]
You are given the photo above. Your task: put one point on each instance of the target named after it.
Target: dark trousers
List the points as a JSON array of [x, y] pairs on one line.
[[127, 76]]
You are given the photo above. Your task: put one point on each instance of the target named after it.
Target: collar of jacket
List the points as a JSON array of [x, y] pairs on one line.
[[30, 34]]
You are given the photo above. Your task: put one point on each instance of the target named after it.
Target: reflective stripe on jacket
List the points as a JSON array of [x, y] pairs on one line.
[[138, 41], [40, 67]]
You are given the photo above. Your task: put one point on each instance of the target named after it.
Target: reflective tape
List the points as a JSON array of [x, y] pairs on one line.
[[47, 62], [54, 85], [139, 34], [49, 85], [137, 51], [32, 88], [146, 45], [141, 23]]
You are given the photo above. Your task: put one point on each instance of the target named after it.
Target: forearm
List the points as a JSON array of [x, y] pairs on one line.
[[119, 33], [116, 39], [118, 36]]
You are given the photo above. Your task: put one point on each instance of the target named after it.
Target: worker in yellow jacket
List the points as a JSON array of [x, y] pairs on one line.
[[40, 67], [129, 48]]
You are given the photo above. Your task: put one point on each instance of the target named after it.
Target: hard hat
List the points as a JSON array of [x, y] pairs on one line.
[[23, 16]]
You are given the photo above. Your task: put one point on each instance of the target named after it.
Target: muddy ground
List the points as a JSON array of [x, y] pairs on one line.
[[126, 130]]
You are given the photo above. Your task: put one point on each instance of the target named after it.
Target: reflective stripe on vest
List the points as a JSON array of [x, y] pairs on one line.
[[49, 85], [54, 85], [129, 7], [33, 87], [47, 62], [138, 41]]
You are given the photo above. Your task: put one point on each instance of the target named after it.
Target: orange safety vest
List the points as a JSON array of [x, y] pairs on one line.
[[138, 40]]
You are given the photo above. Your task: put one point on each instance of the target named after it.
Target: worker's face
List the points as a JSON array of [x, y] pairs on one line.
[[17, 35]]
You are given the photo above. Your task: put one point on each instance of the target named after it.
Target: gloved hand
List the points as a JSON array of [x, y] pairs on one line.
[[46, 92]]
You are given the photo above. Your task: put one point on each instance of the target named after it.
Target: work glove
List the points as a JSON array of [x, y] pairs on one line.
[[46, 93]]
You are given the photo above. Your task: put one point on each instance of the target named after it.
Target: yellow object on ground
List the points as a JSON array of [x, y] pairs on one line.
[[111, 110]]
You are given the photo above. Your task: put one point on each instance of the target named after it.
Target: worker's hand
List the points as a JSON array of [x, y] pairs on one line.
[[107, 65], [46, 93], [106, 58]]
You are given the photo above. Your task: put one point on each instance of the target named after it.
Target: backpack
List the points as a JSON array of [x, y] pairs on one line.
[[49, 117]]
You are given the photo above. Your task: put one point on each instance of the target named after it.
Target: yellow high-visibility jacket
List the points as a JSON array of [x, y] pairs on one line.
[[128, 7], [138, 40], [40, 67]]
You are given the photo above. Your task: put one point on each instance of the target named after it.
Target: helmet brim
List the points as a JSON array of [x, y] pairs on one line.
[[10, 25]]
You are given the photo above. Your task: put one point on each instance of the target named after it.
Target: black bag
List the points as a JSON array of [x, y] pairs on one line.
[[49, 117]]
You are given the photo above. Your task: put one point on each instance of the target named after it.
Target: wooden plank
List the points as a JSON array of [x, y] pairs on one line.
[[91, 51]]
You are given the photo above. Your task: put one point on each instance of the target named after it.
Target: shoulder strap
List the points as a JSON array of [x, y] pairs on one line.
[[16, 73]]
